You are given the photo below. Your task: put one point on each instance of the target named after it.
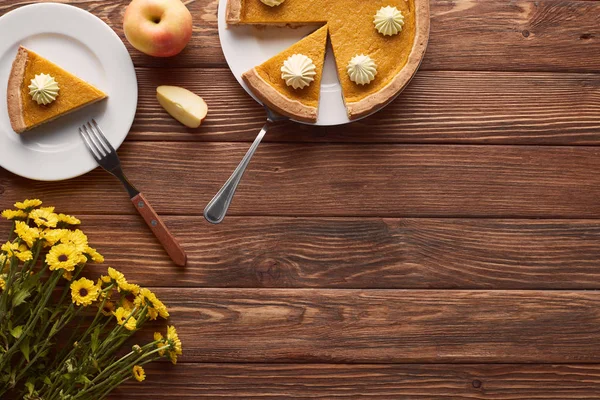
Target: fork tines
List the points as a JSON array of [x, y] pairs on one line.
[[95, 140]]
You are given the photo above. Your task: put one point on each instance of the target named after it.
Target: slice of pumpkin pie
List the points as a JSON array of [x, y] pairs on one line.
[[40, 91], [290, 82]]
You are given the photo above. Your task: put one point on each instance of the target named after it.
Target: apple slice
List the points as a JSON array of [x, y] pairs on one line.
[[183, 105]]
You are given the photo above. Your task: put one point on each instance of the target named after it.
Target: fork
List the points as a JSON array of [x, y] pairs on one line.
[[215, 210], [106, 156]]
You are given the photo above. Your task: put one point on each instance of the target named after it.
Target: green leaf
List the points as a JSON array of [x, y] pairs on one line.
[[17, 331], [47, 381], [30, 386], [24, 347], [95, 336], [20, 297]]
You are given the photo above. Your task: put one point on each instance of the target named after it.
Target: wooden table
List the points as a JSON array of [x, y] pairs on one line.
[[447, 247]]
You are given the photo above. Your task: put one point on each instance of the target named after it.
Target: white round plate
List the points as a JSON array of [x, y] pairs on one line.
[[85, 46], [246, 47]]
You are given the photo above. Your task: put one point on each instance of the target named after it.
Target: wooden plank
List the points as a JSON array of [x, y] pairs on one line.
[[371, 381], [437, 107], [385, 326], [340, 180], [520, 35], [354, 253]]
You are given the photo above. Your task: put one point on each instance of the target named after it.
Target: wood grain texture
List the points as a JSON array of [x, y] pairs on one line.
[[354, 253], [371, 381], [437, 107], [520, 35], [340, 180], [385, 326]]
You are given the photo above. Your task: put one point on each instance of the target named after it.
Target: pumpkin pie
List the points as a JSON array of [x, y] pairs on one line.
[[24, 112], [352, 32], [266, 80]]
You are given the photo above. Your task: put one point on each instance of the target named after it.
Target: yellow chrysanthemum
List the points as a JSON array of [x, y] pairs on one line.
[[3, 282], [127, 302], [138, 373], [174, 344], [44, 217], [77, 238], [26, 233], [121, 314], [132, 288], [52, 236], [17, 250], [68, 275], [159, 337], [108, 308], [94, 255], [84, 291], [28, 204], [14, 214], [115, 275], [147, 298], [68, 219], [63, 256]]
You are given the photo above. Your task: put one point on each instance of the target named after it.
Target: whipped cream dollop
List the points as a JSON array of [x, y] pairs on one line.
[[298, 71], [388, 21], [272, 3], [43, 89], [362, 69]]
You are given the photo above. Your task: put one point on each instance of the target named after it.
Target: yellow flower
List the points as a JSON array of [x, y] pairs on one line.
[[14, 214], [3, 282], [127, 302], [108, 308], [115, 275], [63, 256], [121, 314], [68, 275], [94, 255], [77, 238], [67, 219], [27, 234], [174, 344], [52, 236], [158, 336], [84, 292], [131, 324], [16, 250], [132, 288], [28, 204], [147, 298], [138, 373], [44, 217]]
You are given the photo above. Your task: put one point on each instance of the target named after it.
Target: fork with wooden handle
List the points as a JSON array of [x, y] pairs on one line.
[[106, 156]]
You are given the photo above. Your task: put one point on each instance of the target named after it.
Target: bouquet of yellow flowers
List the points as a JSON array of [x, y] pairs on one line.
[[62, 336]]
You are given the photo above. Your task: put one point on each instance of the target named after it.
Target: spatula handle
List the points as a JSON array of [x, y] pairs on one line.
[[160, 230]]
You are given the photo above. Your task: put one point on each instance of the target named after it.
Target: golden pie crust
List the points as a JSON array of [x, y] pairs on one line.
[[24, 113], [352, 32]]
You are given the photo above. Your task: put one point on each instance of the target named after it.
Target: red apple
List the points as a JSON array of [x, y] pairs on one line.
[[159, 28]]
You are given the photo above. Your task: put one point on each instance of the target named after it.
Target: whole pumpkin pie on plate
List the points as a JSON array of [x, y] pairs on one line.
[[294, 96], [377, 44], [40, 91]]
